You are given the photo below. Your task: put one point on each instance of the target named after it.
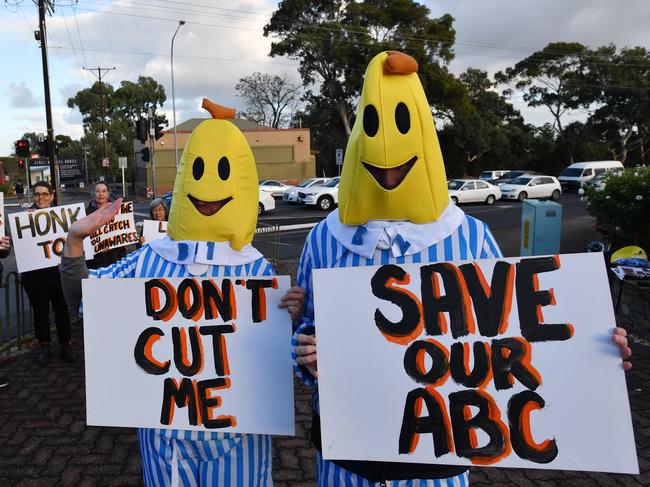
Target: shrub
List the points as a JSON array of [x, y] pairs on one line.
[[624, 203]]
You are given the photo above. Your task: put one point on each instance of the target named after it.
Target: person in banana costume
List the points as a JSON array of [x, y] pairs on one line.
[[212, 220], [393, 208]]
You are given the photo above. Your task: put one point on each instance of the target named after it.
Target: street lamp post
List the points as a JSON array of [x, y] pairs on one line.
[[180, 23]]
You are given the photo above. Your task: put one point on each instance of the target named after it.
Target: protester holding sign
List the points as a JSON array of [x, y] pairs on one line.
[[43, 287], [107, 257], [5, 247], [394, 209], [159, 214], [211, 225]]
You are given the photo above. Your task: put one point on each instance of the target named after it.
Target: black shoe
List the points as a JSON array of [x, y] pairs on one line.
[[3, 382], [43, 356], [67, 354]]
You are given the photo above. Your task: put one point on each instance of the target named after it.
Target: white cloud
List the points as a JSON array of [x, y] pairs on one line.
[[20, 96]]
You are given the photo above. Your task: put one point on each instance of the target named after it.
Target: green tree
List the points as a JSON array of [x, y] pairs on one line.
[[270, 100], [122, 108], [334, 39], [483, 129], [553, 78], [621, 82]]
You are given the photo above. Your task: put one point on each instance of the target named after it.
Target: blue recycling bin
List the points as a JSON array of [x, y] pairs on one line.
[[541, 227]]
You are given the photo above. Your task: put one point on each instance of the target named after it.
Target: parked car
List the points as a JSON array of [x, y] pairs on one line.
[[291, 194], [532, 187], [324, 197], [266, 201], [512, 175], [492, 175], [473, 191], [273, 187], [577, 174], [598, 183]]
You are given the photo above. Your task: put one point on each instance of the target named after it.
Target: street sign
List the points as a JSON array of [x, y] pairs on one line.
[[122, 162], [106, 162], [339, 157]]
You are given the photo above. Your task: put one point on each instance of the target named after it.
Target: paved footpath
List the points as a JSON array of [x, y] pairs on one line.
[[44, 440]]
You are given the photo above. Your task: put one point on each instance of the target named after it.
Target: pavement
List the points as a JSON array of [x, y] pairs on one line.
[[44, 440]]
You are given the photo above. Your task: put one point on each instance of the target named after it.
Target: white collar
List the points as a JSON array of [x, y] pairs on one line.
[[190, 252], [402, 237]]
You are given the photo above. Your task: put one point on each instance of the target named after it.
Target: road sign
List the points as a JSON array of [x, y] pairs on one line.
[[105, 162], [339, 157], [122, 162]]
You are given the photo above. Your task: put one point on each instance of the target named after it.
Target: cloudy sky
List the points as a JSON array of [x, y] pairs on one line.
[[220, 44]]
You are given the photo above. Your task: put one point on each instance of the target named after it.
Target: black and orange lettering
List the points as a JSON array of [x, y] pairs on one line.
[[492, 304], [461, 373], [207, 402], [152, 290], [414, 362], [384, 285], [258, 296], [511, 357], [190, 302], [181, 360], [143, 353], [219, 346], [530, 300], [488, 419], [181, 396], [219, 302], [435, 423], [519, 408], [455, 301]]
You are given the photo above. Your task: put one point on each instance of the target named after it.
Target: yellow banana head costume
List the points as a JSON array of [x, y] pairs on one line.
[[216, 190], [393, 167]]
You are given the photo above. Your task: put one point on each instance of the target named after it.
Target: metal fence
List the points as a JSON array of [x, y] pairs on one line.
[[266, 240], [15, 313]]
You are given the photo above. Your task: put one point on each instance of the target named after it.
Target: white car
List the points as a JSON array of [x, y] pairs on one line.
[[291, 194], [324, 197], [274, 187], [532, 187], [473, 191], [266, 203]]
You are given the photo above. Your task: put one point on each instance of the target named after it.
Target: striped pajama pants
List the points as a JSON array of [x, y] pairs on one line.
[[328, 474], [236, 460]]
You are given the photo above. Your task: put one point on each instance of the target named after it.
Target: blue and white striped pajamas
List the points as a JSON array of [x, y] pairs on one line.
[[171, 457], [470, 241]]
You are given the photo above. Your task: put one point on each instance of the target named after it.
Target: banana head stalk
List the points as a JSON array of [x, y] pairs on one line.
[[393, 167], [216, 189]]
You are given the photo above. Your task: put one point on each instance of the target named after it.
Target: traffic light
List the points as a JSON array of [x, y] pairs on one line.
[[145, 154], [22, 148], [158, 126], [21, 163], [42, 147], [142, 130]]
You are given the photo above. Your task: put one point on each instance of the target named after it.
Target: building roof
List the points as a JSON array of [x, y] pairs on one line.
[[240, 123]]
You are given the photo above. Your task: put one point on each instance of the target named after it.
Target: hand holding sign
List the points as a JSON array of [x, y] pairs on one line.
[[294, 302], [620, 340], [87, 226]]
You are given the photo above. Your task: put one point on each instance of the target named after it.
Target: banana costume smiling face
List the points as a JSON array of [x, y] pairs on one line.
[[216, 191], [393, 167]]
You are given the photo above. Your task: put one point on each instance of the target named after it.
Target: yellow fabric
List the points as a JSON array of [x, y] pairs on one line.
[[235, 222], [422, 195], [629, 252]]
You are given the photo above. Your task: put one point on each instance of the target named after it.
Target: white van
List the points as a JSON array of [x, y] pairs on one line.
[[577, 174]]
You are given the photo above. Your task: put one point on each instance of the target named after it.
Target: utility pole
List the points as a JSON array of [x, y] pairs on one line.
[[101, 110], [42, 37], [152, 138]]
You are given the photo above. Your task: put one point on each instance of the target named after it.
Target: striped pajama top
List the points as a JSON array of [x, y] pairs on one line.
[[470, 240]]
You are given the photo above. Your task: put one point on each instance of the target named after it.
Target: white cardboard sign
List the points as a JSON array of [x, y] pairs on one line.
[[38, 235], [194, 354], [119, 232], [504, 362], [152, 230]]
